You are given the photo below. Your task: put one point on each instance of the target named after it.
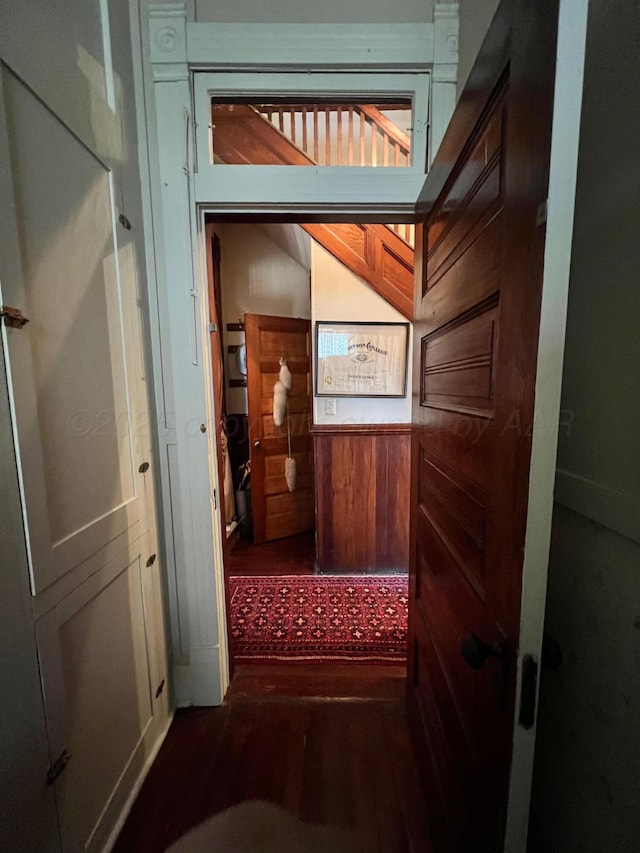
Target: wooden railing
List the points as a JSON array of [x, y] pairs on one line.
[[344, 135], [341, 134]]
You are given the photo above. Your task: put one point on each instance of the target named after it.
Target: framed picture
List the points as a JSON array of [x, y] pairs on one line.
[[361, 359]]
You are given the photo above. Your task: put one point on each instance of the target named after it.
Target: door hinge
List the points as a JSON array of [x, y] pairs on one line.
[[214, 498], [13, 317], [528, 692], [160, 688], [213, 327], [58, 766]]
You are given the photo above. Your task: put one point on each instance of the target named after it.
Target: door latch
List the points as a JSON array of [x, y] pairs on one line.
[[13, 317]]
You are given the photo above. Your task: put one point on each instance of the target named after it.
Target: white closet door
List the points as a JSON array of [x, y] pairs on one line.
[[69, 365], [99, 673]]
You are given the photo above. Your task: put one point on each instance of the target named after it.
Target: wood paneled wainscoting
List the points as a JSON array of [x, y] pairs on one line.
[[362, 497]]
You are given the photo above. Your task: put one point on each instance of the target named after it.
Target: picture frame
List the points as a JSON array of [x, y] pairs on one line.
[[361, 359]]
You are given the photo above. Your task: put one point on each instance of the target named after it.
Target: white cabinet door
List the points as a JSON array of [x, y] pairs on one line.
[[100, 676], [74, 396], [71, 260]]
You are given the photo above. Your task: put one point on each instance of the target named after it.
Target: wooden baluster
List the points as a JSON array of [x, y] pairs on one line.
[[339, 136], [350, 137], [362, 148], [396, 154], [305, 140], [292, 116], [327, 139], [315, 133], [385, 150], [374, 144], [281, 119]]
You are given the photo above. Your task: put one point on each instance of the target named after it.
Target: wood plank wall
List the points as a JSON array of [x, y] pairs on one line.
[[362, 497]]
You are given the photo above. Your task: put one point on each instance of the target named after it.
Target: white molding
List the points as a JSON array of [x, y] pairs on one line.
[[303, 189], [307, 46], [181, 682], [136, 787], [170, 72], [570, 52], [401, 55], [179, 296], [615, 510], [445, 22], [445, 70], [322, 84], [168, 32]]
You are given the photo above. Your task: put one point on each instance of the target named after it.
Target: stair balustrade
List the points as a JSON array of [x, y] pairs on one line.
[[344, 135]]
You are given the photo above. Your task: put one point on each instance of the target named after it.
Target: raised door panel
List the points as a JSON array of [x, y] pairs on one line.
[[278, 512], [74, 381], [100, 674]]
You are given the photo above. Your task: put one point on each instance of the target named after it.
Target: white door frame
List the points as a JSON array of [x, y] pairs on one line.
[[170, 52], [563, 169]]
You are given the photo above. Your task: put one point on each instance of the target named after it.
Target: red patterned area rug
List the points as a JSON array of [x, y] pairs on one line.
[[316, 618]]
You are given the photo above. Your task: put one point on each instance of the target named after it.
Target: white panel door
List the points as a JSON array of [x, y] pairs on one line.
[[99, 672], [79, 413], [69, 368]]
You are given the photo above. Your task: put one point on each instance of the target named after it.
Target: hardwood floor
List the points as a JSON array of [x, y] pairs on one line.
[[342, 757], [294, 555]]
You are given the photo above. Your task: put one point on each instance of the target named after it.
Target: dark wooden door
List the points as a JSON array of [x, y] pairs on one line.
[[277, 512], [476, 338], [217, 358]]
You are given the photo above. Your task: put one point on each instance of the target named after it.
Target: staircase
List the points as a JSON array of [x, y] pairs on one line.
[[380, 255]]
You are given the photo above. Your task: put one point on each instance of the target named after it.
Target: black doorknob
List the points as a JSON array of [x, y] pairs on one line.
[[475, 652]]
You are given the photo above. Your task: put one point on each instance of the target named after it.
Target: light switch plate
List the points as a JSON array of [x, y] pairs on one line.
[[329, 407]]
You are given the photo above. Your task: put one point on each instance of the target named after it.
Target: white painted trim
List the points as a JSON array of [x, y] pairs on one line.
[[290, 46], [182, 693], [158, 322], [445, 70], [265, 189], [615, 510], [224, 183], [168, 32], [570, 53], [396, 58], [217, 522], [135, 790]]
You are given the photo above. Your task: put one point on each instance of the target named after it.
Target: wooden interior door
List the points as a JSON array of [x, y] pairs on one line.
[[277, 512], [476, 339], [217, 349]]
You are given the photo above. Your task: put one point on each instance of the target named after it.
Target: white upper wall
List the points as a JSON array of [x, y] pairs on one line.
[[303, 12], [258, 277], [475, 17], [338, 294]]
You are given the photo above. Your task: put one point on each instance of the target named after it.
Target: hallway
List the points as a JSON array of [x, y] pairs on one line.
[[330, 744], [294, 555]]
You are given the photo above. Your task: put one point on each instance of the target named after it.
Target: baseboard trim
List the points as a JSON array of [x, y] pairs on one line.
[[617, 511], [135, 790]]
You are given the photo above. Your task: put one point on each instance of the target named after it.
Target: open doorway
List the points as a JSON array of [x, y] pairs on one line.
[[344, 519]]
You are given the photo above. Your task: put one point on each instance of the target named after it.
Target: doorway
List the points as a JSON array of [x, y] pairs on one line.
[[269, 285]]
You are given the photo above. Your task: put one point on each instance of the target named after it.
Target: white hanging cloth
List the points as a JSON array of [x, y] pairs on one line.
[[280, 411]]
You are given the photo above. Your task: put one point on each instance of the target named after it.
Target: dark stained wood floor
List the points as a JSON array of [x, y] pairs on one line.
[[294, 555], [341, 757]]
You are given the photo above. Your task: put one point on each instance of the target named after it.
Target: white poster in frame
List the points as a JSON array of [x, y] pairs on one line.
[[361, 359]]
